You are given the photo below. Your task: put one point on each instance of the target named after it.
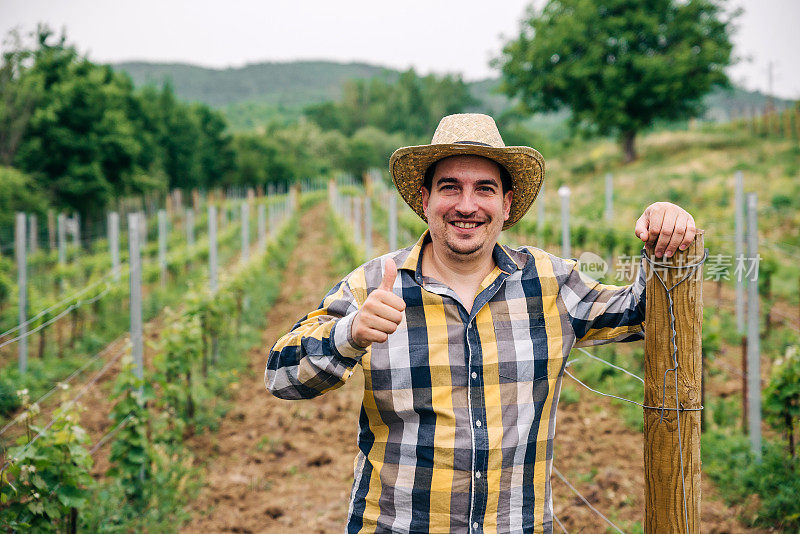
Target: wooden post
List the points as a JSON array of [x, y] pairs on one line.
[[672, 439]]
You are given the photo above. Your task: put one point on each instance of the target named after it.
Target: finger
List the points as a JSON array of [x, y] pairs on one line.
[[389, 275], [641, 226], [385, 311], [368, 336], [678, 235], [654, 226], [667, 229], [390, 299], [376, 336], [380, 324], [691, 231]]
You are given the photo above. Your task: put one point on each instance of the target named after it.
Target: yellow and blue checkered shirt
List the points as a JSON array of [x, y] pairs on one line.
[[459, 410]]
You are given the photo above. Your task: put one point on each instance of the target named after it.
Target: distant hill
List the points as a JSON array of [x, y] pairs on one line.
[[279, 84], [256, 94]]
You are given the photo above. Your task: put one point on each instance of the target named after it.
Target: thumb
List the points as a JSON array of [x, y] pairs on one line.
[[389, 275]]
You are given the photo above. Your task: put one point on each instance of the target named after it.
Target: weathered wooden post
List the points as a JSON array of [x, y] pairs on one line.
[[672, 391]]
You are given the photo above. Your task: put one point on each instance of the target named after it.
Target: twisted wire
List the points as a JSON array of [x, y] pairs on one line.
[[586, 502]]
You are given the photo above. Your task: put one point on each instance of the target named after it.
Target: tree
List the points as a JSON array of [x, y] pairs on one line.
[[619, 64]]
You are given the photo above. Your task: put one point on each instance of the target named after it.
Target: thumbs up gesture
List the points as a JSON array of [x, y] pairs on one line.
[[381, 312]]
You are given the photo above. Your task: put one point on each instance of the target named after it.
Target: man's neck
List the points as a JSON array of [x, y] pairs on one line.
[[462, 274]]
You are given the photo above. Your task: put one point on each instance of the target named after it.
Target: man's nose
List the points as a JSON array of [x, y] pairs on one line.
[[466, 203]]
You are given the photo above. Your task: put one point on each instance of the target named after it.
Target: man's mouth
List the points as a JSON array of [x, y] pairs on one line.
[[466, 225]]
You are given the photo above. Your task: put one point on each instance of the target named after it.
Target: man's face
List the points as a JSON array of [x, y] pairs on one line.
[[466, 207]]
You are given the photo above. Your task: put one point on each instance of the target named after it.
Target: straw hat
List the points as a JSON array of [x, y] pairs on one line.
[[473, 134]]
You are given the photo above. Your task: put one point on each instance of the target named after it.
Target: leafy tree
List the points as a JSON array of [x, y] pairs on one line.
[[618, 64], [80, 142], [19, 94], [18, 192], [412, 105]]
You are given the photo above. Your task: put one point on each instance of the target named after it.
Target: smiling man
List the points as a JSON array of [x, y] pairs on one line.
[[463, 343]]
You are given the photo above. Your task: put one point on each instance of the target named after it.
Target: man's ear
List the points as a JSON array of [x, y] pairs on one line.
[[426, 195], [507, 204]]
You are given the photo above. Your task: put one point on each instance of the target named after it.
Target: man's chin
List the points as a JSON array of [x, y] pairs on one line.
[[464, 249]]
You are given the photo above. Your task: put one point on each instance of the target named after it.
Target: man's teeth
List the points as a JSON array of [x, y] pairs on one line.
[[465, 224]]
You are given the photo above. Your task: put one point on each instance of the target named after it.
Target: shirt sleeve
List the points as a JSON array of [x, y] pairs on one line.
[[318, 354], [601, 313]]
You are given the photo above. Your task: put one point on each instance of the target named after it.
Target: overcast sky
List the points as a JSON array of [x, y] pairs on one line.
[[432, 35]]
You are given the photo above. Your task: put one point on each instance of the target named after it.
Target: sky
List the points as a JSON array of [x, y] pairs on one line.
[[432, 36]]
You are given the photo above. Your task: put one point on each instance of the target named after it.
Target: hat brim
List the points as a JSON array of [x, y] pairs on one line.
[[524, 164]]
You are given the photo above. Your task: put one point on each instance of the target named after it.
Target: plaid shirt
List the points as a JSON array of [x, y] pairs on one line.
[[459, 410]]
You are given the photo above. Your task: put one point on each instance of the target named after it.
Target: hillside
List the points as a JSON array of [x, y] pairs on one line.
[[278, 84], [258, 93]]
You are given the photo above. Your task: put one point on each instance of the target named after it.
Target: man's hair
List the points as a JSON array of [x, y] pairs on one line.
[[505, 177]]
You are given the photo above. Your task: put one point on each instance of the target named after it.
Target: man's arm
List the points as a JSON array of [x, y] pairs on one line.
[[601, 313], [321, 350], [317, 354]]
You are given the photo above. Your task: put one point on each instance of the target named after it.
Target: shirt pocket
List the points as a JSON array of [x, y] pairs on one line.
[[522, 348]]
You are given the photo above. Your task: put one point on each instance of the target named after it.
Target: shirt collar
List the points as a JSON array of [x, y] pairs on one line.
[[413, 261]]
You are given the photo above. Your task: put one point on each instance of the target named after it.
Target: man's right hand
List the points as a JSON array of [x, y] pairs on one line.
[[381, 312]]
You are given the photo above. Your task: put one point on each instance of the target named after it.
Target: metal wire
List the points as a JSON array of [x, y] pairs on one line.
[[680, 409], [73, 306], [67, 380], [592, 356], [586, 502], [58, 304], [560, 524], [108, 435]]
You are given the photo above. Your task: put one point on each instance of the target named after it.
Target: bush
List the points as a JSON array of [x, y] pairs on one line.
[[771, 485]]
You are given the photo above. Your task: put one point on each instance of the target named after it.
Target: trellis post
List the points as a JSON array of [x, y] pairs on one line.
[[563, 193], [673, 381]]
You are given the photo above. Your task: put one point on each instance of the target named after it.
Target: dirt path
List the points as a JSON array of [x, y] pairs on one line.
[[280, 466]]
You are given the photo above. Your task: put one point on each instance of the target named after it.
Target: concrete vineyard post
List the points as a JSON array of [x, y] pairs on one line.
[[76, 232], [753, 342], [135, 261], [245, 220], [22, 285], [739, 230], [189, 222], [392, 221], [563, 193], [162, 245], [33, 234], [212, 248], [113, 243], [62, 239], [262, 227], [540, 218], [367, 228], [357, 220]]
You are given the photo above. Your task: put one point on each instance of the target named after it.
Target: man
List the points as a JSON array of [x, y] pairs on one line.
[[463, 343]]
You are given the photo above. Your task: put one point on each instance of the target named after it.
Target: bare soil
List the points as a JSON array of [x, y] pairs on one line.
[[279, 466]]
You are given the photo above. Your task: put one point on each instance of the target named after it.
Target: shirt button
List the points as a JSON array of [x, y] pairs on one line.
[[475, 526], [474, 374], [477, 423], [477, 474]]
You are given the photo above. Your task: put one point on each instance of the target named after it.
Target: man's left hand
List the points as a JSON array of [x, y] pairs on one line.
[[666, 227]]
